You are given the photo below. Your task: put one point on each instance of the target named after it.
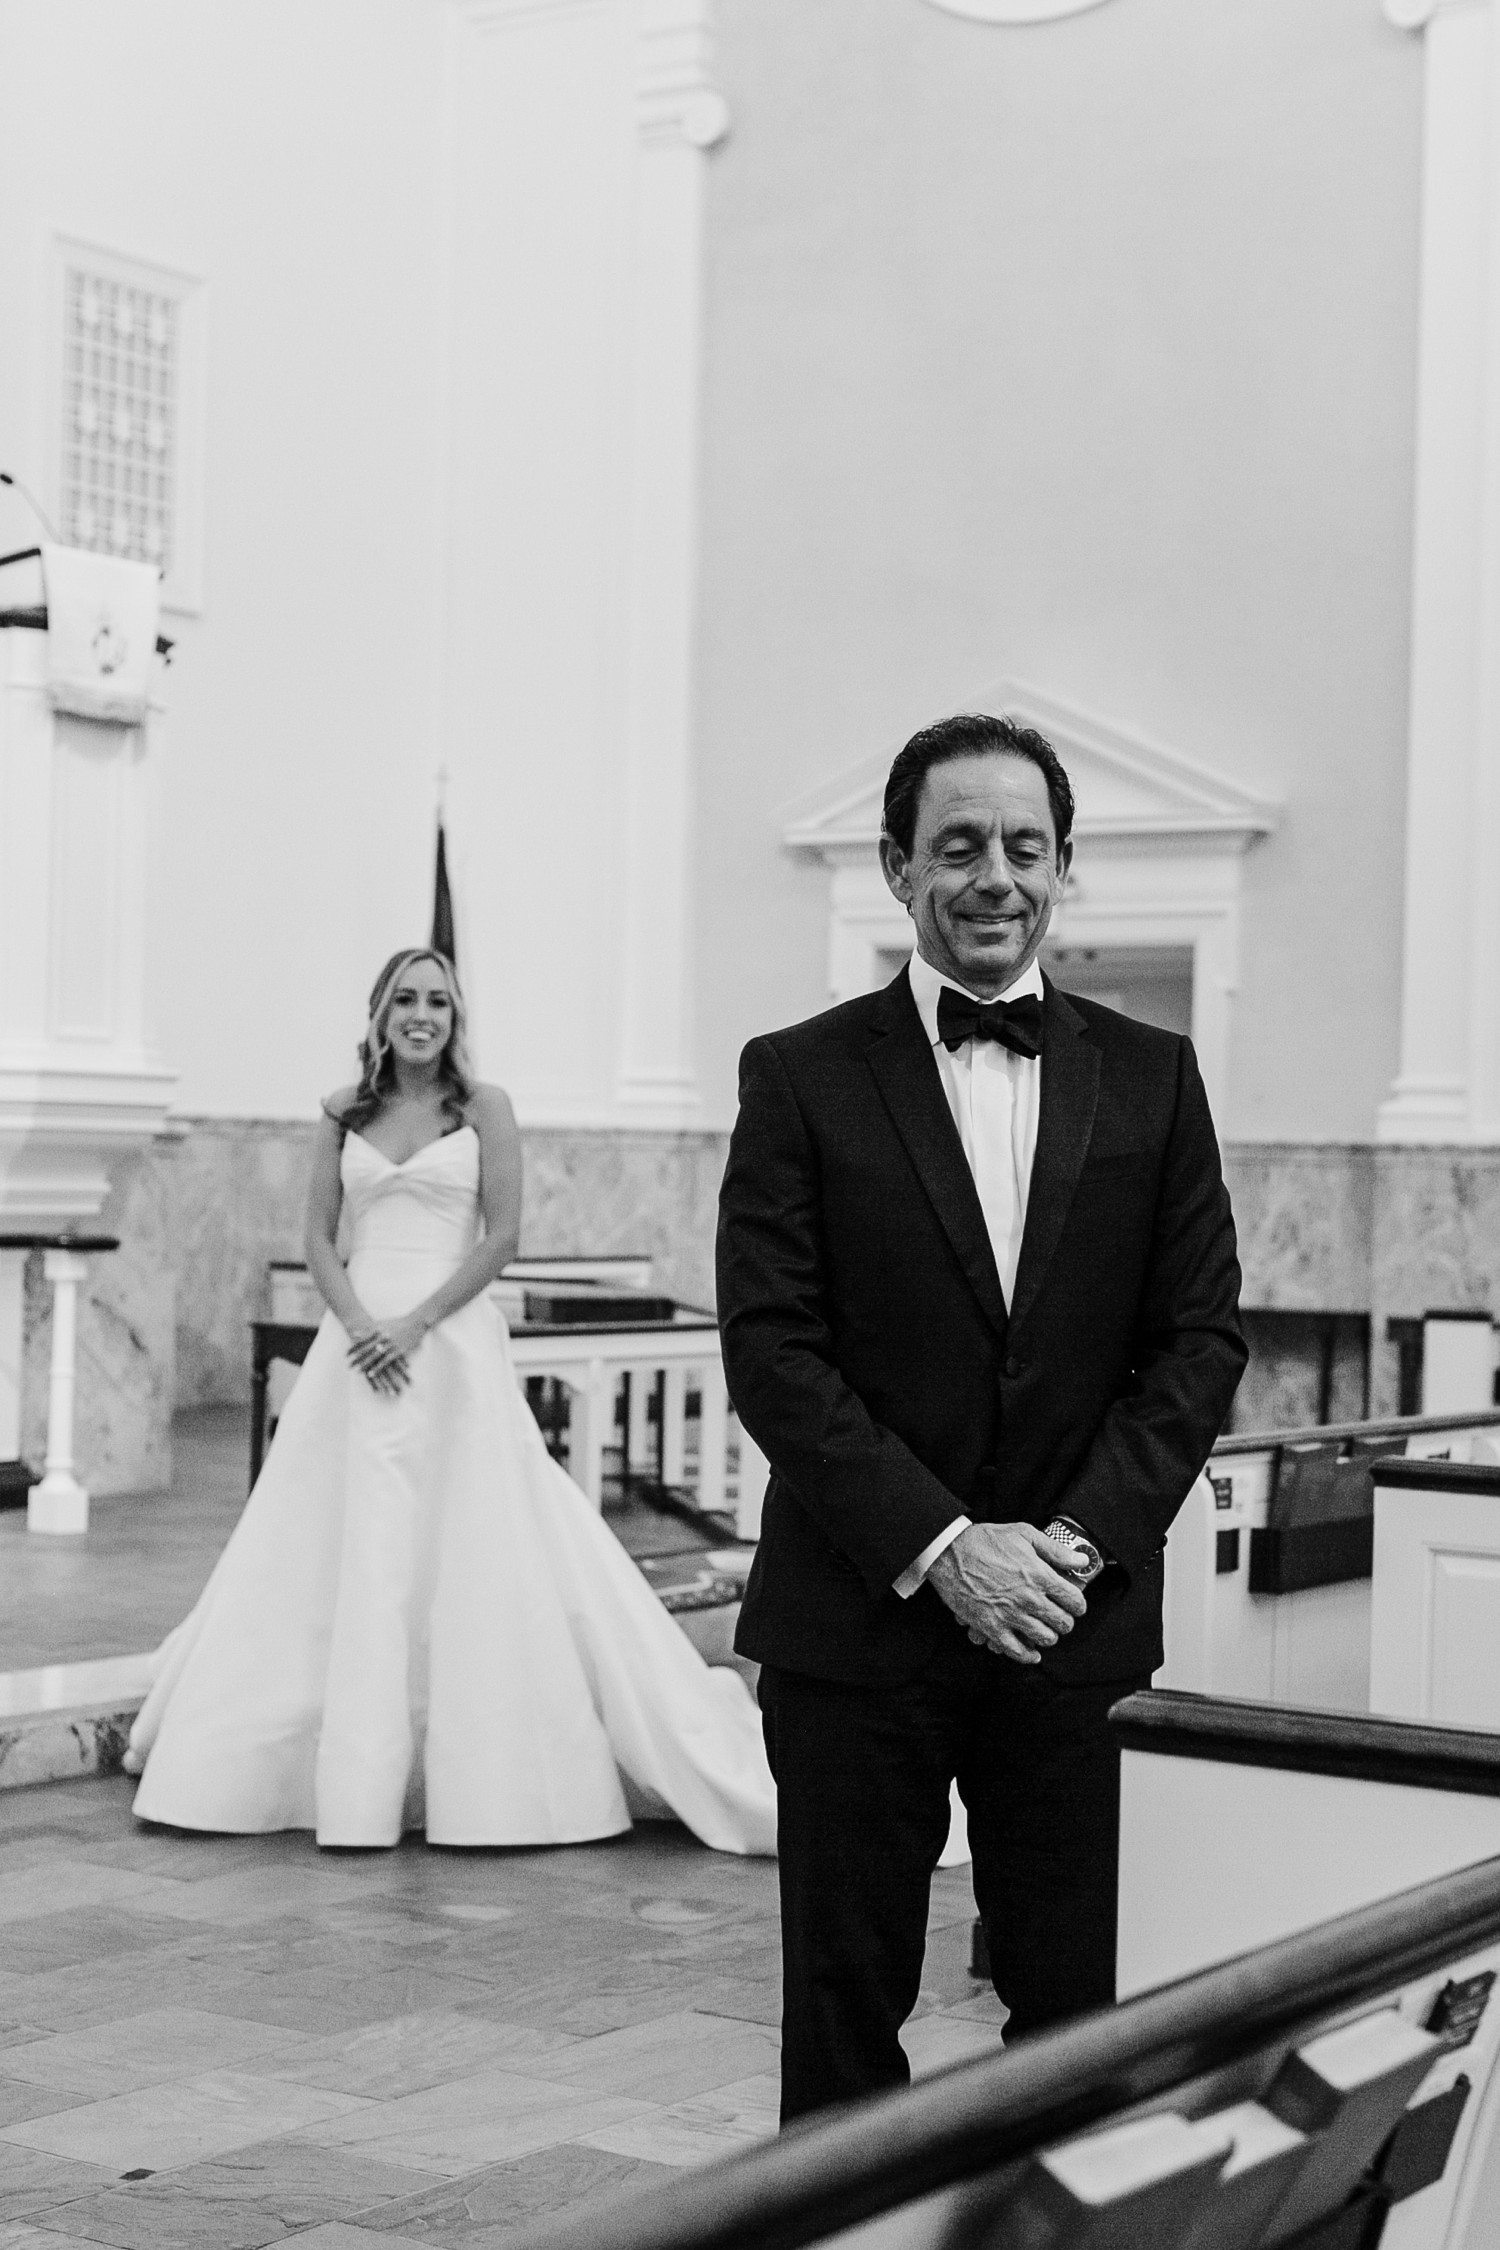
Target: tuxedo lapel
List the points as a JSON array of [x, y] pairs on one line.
[[1070, 1092], [906, 1072]]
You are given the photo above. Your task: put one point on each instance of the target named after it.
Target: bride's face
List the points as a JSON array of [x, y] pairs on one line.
[[419, 1019]]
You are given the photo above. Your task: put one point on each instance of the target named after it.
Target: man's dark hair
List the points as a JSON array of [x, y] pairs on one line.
[[962, 737]]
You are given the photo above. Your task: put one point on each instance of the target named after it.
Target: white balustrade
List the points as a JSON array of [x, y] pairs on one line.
[[60, 1503], [12, 1291]]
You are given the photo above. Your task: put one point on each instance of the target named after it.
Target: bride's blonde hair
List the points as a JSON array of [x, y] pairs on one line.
[[377, 1075]]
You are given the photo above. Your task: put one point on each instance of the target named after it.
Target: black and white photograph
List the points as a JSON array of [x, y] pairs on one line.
[[750, 1124]]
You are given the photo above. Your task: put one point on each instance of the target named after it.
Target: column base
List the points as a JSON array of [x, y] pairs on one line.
[[1425, 1112], [59, 1504]]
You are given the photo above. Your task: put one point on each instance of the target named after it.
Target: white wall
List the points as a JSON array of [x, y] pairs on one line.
[[288, 154], [1081, 354]]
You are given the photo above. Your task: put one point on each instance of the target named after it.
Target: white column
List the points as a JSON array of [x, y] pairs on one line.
[[60, 1503], [680, 116], [1448, 1084]]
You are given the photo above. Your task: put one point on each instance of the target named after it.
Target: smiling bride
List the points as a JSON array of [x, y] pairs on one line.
[[420, 1621]]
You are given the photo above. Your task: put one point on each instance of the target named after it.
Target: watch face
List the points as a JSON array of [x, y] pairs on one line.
[[1089, 1563]]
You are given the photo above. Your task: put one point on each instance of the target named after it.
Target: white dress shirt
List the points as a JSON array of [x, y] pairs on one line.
[[995, 1097]]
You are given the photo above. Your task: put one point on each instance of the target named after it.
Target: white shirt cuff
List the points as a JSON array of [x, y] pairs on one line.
[[914, 1573]]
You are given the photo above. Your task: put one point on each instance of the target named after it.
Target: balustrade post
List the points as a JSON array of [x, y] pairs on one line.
[[637, 1420], [60, 1503], [674, 1425], [713, 1438]]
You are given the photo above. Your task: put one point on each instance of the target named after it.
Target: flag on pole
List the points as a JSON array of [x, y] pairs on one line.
[[443, 939]]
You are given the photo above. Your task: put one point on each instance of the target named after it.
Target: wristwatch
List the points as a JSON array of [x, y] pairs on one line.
[[1089, 1561]]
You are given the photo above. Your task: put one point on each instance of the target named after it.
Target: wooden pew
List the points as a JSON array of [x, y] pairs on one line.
[[1226, 1632], [1435, 1616]]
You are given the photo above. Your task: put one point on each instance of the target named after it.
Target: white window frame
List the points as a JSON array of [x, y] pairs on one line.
[[182, 588]]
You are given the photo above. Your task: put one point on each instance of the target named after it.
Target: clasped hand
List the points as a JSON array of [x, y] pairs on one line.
[[1010, 1587], [381, 1353]]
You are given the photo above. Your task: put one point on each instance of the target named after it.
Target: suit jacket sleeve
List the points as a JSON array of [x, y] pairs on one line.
[[863, 1486], [1189, 1350]]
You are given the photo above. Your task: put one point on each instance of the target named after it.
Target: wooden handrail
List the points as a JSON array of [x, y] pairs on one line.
[[1438, 1476], [1169, 1723], [1399, 1427], [963, 2123]]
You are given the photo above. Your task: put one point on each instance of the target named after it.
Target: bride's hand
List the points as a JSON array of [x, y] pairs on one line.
[[393, 1347], [370, 1352]]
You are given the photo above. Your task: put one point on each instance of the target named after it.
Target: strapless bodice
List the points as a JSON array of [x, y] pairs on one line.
[[426, 1208]]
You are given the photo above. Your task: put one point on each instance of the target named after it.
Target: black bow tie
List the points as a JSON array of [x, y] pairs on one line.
[[1017, 1024]]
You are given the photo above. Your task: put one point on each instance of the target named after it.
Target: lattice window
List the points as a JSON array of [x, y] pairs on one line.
[[119, 417], [127, 467]]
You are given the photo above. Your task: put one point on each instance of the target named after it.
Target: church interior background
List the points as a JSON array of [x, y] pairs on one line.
[[646, 415], [623, 422]]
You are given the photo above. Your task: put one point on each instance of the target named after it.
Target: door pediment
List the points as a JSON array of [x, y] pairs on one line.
[[1129, 791]]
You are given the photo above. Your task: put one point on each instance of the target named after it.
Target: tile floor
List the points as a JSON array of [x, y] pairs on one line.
[[225, 2042]]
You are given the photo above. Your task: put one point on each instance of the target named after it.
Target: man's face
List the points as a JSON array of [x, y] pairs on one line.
[[984, 872]]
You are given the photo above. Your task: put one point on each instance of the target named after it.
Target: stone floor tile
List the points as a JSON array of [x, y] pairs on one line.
[[167, 2127], [665, 2061], [60, 1884], [933, 2042], [44, 1942], [278, 2187], [985, 2007], [750, 2000], [329, 2003], [336, 2235], [33, 2180], [146, 2049], [98, 1991], [242, 1896], [486, 2119], [156, 2215], [383, 2061], [20, 2102], [945, 1965], [751, 2106], [662, 2137], [484, 2207]]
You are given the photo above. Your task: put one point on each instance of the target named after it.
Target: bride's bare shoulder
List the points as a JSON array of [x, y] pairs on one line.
[[489, 1110], [336, 1107]]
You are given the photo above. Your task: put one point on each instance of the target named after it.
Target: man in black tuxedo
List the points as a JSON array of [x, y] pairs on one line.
[[978, 1295]]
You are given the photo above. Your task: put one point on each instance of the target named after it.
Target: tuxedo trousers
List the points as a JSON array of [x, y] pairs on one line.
[[863, 1777]]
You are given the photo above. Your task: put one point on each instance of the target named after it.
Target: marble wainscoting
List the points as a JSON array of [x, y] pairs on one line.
[[1304, 1216], [239, 1195], [1346, 1229], [655, 1194], [126, 1363], [239, 1185]]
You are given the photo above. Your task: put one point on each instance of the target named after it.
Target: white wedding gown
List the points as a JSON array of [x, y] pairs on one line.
[[420, 1621]]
